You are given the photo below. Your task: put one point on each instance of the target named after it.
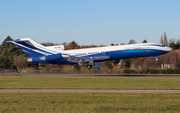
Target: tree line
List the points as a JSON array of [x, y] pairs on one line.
[[8, 53], [173, 43]]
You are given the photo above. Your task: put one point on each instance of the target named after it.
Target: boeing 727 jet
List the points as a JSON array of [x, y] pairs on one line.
[[89, 56]]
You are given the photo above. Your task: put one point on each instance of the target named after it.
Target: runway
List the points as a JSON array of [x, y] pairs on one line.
[[93, 75], [83, 91]]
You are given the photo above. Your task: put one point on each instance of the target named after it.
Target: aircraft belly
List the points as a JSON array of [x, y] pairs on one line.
[[129, 54], [61, 61]]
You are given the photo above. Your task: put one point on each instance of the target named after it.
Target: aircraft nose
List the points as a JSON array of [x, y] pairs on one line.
[[168, 48]]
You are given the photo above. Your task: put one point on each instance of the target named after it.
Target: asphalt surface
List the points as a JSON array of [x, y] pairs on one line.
[[93, 75], [83, 91]]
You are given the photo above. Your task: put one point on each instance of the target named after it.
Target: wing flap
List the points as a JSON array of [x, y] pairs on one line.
[[84, 59], [92, 57]]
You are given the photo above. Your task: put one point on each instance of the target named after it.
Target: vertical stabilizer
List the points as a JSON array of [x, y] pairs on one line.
[[32, 48]]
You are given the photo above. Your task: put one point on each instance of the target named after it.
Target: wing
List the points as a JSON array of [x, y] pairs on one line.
[[85, 59]]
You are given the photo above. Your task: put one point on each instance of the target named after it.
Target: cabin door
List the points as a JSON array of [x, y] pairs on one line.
[[148, 50]]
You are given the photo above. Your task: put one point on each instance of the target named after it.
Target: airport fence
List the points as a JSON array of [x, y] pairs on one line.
[[57, 72], [8, 71], [74, 72]]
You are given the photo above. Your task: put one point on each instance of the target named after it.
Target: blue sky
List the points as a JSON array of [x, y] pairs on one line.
[[90, 22]]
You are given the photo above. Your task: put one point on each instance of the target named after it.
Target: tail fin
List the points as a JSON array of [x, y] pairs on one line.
[[34, 49]]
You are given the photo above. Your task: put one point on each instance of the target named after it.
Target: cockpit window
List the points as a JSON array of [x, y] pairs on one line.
[[163, 45]]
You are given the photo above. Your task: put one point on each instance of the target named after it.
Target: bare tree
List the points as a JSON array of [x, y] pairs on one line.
[[177, 44], [132, 41], [102, 45], [20, 62], [177, 41], [65, 45], [165, 39], [49, 44], [122, 44], [172, 40], [161, 39], [88, 46]]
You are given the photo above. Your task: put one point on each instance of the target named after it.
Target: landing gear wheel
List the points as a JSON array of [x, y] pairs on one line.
[[89, 66], [156, 58]]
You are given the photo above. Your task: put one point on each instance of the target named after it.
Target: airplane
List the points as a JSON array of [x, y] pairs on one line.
[[90, 56]]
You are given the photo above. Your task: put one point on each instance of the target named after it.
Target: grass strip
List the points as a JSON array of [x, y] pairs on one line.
[[91, 82], [89, 102]]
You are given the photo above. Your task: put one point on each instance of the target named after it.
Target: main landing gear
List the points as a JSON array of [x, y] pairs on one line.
[[95, 65], [89, 66]]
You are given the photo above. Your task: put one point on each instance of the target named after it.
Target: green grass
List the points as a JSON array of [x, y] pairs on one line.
[[91, 82], [88, 102]]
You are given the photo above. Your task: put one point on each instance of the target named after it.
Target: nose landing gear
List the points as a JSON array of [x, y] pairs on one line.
[[156, 57]]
